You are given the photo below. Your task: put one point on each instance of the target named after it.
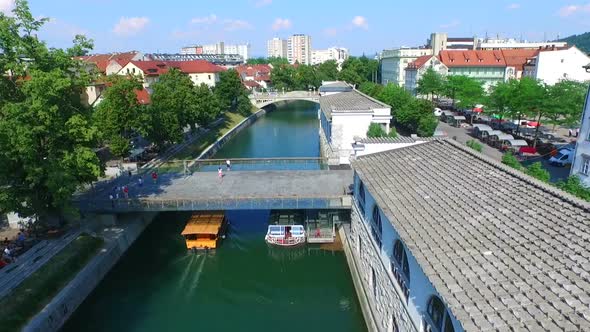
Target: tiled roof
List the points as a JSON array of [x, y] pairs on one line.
[[188, 67], [349, 102], [418, 63], [480, 58], [102, 60], [387, 140], [518, 58], [505, 251], [143, 96]]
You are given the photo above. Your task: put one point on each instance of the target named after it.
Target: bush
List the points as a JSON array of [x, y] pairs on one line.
[[574, 186], [510, 160], [475, 145], [537, 171], [375, 130], [392, 132]]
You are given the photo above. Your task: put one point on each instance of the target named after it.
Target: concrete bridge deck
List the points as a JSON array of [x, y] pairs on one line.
[[264, 99], [236, 190]]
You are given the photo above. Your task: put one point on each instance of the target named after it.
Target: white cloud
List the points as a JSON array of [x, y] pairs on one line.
[[330, 32], [451, 24], [573, 9], [281, 24], [129, 26], [6, 7], [360, 22], [513, 6], [262, 3], [205, 20], [233, 25]]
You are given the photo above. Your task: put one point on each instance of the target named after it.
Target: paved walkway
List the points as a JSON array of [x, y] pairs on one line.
[[461, 135]]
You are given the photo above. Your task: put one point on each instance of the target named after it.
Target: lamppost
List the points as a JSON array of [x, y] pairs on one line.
[[309, 91]]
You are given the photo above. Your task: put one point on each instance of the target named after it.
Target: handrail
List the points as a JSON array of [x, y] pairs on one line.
[[238, 160]]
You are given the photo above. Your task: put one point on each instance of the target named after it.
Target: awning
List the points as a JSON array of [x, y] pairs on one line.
[[478, 110], [459, 117], [503, 137], [517, 142], [491, 132]]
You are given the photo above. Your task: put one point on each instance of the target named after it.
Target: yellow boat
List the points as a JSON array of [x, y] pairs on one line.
[[204, 230]]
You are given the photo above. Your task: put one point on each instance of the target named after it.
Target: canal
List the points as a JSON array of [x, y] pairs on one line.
[[244, 285]]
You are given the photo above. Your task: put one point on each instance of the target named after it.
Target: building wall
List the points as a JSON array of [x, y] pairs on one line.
[[409, 311], [337, 54], [488, 75], [276, 47], [394, 63], [553, 66], [208, 78], [346, 126], [583, 145], [299, 49]]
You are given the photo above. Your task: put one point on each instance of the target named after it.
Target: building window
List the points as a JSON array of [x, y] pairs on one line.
[[209, 77], [376, 226], [585, 165], [393, 327], [133, 69], [400, 267], [361, 197], [438, 317], [374, 282]]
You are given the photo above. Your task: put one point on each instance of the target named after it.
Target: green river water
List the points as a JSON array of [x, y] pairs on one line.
[[244, 285]]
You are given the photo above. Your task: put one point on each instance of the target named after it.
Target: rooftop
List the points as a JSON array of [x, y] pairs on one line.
[[501, 248], [457, 58], [349, 102]]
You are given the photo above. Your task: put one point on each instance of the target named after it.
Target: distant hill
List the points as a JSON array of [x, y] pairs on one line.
[[581, 41]]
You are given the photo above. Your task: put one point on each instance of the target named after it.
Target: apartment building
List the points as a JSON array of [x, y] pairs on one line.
[[299, 49], [277, 48]]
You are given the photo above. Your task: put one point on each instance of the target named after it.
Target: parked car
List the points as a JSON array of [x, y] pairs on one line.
[[564, 157]]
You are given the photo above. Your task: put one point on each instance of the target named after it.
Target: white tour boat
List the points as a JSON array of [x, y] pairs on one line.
[[285, 235]]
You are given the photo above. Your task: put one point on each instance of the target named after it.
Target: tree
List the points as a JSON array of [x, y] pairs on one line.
[[565, 103], [327, 71], [305, 78], [528, 99], [510, 160], [244, 105], [375, 130], [207, 107], [537, 171], [117, 115], [81, 47], [174, 96], [46, 136], [499, 98], [228, 88], [282, 77], [372, 89], [277, 61], [430, 84], [465, 91], [574, 186], [396, 97]]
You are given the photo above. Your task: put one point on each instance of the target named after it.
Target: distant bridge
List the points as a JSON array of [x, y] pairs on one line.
[[176, 190], [265, 99]]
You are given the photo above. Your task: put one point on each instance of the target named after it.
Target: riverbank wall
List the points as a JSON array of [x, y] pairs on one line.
[[119, 236]]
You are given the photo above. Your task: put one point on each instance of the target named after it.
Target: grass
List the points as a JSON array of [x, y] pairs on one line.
[[40, 287], [475, 145], [230, 121]]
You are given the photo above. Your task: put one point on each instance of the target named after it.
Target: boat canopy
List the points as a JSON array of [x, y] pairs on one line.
[[280, 229], [517, 142], [482, 127]]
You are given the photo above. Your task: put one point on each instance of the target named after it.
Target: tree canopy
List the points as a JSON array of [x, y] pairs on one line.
[[431, 83], [228, 88], [46, 133]]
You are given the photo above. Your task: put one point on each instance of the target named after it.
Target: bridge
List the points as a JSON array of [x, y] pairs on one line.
[[200, 188], [261, 100]]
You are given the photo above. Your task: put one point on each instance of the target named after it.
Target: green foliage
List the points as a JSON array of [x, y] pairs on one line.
[[475, 145], [375, 130], [565, 102], [117, 116], [207, 107], [392, 132], [509, 159], [574, 186], [82, 45], [371, 89], [537, 171], [327, 71], [274, 61], [356, 70], [582, 41], [244, 105], [466, 91], [228, 88], [305, 77], [282, 77], [431, 83], [46, 136], [396, 97]]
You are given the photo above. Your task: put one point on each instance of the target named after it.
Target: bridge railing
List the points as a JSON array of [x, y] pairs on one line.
[[243, 164], [208, 204]]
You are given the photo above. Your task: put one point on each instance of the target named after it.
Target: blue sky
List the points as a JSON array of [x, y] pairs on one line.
[[365, 26]]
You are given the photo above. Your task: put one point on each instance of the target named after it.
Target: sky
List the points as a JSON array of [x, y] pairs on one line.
[[364, 27]]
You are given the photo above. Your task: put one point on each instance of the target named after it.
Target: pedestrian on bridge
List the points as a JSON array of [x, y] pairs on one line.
[[155, 176], [220, 173], [228, 165], [140, 182], [126, 191]]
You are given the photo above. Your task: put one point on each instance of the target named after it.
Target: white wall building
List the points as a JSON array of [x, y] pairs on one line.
[[510, 43], [394, 63], [199, 71], [553, 65], [338, 54], [219, 48], [277, 48], [346, 116], [417, 68], [581, 163], [299, 49]]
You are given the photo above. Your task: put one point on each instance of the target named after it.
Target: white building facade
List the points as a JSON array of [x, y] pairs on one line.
[[553, 65], [416, 69], [581, 163], [277, 48], [219, 48], [299, 49], [394, 62], [346, 116], [338, 54]]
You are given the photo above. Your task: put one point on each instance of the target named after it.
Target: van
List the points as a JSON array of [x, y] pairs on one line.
[[563, 157]]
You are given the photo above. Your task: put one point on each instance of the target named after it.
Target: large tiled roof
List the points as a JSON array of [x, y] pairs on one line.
[[479, 58], [188, 67], [505, 251], [102, 60], [349, 102]]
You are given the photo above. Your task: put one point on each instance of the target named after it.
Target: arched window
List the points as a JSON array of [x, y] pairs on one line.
[[439, 316], [376, 226], [361, 197], [401, 258]]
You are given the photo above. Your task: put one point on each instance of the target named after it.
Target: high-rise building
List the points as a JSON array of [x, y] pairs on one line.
[[277, 48], [219, 48], [299, 49], [337, 54]]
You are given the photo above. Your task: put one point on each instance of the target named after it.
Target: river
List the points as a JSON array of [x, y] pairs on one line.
[[244, 285]]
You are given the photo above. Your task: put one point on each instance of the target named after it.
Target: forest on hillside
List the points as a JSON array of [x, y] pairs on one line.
[[582, 41]]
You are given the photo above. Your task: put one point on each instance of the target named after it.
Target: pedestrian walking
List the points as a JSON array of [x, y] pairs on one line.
[[155, 177], [140, 182], [228, 164], [9, 255], [220, 173], [126, 191], [112, 198], [569, 132]]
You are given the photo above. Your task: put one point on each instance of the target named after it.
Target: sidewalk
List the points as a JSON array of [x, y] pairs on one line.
[[461, 135]]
